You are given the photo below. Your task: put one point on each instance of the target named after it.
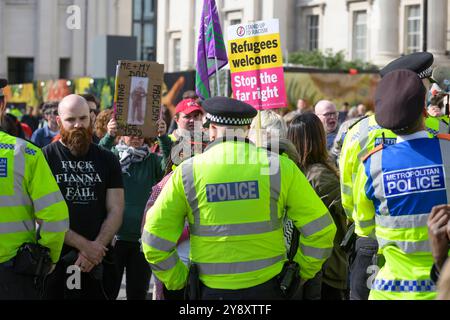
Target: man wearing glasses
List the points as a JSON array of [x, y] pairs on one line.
[[327, 113], [94, 106], [94, 110], [45, 135]]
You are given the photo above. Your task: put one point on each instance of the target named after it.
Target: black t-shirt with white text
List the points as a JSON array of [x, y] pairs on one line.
[[84, 181]]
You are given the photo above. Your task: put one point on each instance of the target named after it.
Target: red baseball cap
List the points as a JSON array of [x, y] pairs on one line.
[[187, 106]]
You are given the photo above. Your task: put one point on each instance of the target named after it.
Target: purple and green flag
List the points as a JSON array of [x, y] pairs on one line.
[[210, 47]]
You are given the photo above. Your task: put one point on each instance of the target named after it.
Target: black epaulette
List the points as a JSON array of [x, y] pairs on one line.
[[356, 122], [32, 143]]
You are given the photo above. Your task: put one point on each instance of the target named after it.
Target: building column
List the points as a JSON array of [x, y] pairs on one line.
[[92, 25], [46, 63], [79, 44], [284, 11], [3, 58], [437, 28], [387, 31], [162, 36], [112, 17], [102, 16], [188, 37]]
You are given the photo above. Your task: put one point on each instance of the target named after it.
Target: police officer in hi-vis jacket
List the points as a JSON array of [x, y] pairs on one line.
[[234, 197]]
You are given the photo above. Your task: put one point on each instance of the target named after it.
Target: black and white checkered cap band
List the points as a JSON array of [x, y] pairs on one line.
[[229, 121], [426, 73]]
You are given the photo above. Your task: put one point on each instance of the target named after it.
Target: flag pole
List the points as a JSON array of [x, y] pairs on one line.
[[225, 90], [258, 130], [217, 76]]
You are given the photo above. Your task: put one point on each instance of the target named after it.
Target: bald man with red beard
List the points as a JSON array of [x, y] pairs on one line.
[[90, 180]]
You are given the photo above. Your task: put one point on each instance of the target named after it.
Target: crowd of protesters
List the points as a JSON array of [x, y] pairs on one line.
[[78, 139]]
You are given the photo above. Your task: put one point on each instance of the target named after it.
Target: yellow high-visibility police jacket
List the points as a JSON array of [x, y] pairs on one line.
[[362, 137], [398, 186], [28, 194], [235, 196]]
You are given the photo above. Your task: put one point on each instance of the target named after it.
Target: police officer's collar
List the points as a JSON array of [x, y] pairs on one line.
[[416, 135], [228, 138]]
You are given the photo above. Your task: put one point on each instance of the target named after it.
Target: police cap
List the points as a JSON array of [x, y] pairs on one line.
[[399, 100], [418, 62], [229, 112], [3, 83]]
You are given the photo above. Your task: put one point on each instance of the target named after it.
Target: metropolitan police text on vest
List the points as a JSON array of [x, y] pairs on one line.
[[413, 180]]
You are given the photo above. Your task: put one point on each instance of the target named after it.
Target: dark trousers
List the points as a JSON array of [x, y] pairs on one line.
[[316, 289], [365, 253], [174, 295], [330, 293], [138, 271], [16, 287], [62, 283], [312, 289], [269, 290]]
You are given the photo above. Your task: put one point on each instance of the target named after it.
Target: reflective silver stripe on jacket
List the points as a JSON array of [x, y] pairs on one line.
[[406, 246], [445, 154], [57, 226], [189, 188], [16, 227], [233, 229], [316, 225], [363, 133], [47, 200], [366, 223], [443, 127], [238, 267], [376, 173], [318, 253], [167, 264], [19, 198], [346, 189], [400, 222], [157, 243]]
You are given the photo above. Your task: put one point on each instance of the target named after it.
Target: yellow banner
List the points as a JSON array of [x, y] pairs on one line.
[[261, 52], [23, 93], [82, 85]]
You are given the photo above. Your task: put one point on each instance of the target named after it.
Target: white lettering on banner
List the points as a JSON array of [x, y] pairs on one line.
[[246, 81], [413, 180], [264, 78]]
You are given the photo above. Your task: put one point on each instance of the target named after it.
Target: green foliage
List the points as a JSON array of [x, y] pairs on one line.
[[328, 60], [296, 90]]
